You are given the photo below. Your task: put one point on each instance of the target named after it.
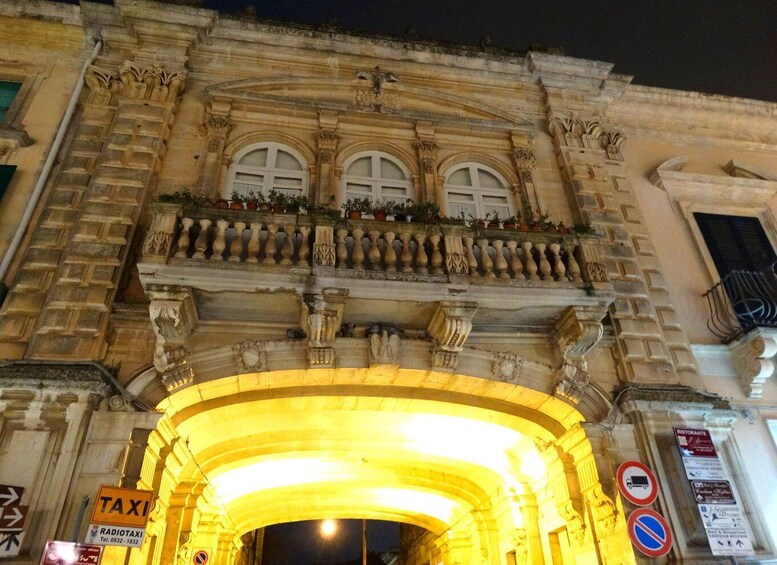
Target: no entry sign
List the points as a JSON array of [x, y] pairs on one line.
[[649, 532], [637, 483]]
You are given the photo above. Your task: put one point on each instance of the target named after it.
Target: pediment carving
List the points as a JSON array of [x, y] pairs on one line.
[[356, 95]]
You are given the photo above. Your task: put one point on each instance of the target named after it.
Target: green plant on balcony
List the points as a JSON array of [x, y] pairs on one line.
[[328, 210], [184, 196], [355, 207], [295, 204], [511, 222], [381, 209], [279, 200], [236, 200], [400, 210], [425, 212]]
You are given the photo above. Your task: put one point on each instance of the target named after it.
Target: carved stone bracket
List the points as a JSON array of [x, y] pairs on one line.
[[384, 344], [576, 332], [173, 318], [450, 327], [216, 128], [249, 356], [322, 316], [132, 81], [427, 155], [753, 359], [603, 508], [327, 140]]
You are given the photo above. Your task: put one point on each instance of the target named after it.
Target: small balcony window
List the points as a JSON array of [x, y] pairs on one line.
[[475, 190], [265, 167], [377, 176]]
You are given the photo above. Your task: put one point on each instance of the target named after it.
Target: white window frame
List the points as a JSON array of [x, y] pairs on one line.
[[477, 191], [376, 182], [269, 171]]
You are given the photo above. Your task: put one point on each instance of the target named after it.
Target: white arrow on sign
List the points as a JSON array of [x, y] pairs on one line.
[[9, 495], [10, 544], [10, 516]]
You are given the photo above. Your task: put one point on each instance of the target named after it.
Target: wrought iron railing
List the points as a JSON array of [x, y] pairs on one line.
[[741, 301]]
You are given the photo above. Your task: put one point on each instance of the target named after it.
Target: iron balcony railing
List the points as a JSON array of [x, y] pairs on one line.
[[741, 301]]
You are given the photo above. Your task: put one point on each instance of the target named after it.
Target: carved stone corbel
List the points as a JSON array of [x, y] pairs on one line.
[[450, 327], [576, 332], [753, 359], [322, 316], [173, 319]]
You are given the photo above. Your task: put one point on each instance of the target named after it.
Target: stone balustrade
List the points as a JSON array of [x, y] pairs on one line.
[[392, 248]]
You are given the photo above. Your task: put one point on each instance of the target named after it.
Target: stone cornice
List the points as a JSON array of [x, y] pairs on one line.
[[74, 378], [671, 395]]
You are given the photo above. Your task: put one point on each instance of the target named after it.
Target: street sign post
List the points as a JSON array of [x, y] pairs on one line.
[[10, 495], [120, 516], [12, 518], [637, 483], [649, 532], [10, 543], [69, 553]]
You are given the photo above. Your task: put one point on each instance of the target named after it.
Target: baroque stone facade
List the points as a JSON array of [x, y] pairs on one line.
[[478, 382]]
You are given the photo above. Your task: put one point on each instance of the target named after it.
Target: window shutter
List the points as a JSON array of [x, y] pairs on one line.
[[736, 243], [8, 91], [6, 172]]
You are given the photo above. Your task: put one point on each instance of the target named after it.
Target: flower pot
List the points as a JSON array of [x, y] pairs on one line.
[[400, 218], [535, 228], [509, 226], [252, 205], [265, 207], [481, 223], [208, 203], [235, 205], [379, 215], [354, 215], [523, 228], [277, 209], [222, 204]]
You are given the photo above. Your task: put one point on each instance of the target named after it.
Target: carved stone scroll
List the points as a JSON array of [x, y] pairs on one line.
[[450, 327], [173, 318], [577, 331], [753, 359]]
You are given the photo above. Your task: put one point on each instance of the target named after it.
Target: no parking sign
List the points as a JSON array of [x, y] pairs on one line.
[[649, 532], [201, 557]]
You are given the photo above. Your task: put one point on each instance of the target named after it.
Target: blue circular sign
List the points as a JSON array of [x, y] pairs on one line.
[[649, 532], [200, 557]]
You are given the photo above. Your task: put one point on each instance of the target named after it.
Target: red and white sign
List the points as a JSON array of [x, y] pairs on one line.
[[637, 483], [200, 557], [649, 532], [68, 553]]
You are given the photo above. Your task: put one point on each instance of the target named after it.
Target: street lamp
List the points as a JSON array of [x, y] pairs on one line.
[[328, 528]]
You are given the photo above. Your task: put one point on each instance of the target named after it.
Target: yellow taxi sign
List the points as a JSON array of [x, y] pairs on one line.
[[117, 506]]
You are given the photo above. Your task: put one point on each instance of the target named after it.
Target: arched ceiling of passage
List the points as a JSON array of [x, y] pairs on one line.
[[423, 461]]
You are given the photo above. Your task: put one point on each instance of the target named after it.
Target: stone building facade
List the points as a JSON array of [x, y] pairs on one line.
[[477, 382]]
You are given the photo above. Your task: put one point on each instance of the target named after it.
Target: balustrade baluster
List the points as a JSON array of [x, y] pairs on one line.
[[342, 248], [184, 239], [573, 268], [304, 246], [287, 250], [558, 265], [220, 241], [390, 256], [373, 254], [236, 245], [515, 261], [501, 262], [253, 243], [201, 245], [421, 258], [436, 254], [531, 265], [357, 256], [485, 259], [545, 269], [471, 259], [406, 257], [271, 245]]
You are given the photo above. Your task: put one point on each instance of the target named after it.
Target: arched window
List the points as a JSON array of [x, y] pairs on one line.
[[267, 166], [377, 176], [477, 190]]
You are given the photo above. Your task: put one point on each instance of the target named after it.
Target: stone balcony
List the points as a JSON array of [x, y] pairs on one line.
[[251, 267]]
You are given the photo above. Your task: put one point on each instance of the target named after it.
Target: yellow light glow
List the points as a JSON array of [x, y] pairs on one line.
[[328, 528], [473, 441], [532, 465], [419, 502]]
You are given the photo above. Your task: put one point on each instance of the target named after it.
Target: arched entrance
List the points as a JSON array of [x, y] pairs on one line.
[[495, 472]]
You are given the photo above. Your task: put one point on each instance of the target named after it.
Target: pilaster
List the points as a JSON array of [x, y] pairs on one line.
[[426, 146], [327, 139]]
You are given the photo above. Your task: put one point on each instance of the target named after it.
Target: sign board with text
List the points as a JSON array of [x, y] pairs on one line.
[[126, 536], [116, 506], [68, 553]]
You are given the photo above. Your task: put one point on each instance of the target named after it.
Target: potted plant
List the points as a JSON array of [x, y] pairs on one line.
[[237, 200], [355, 207], [380, 209], [401, 210], [512, 221], [495, 221], [296, 203], [425, 212], [184, 196], [327, 210], [252, 200], [279, 200]]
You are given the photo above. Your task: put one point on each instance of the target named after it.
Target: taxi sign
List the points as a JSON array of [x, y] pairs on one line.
[[116, 506], [649, 532], [637, 483]]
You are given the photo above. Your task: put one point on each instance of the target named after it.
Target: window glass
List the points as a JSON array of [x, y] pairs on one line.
[[6, 172], [377, 176], [475, 190], [267, 167], [8, 91]]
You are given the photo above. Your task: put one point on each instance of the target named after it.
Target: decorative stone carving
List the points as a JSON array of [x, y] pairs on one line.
[[573, 131], [327, 140], [753, 359], [575, 524], [507, 367], [119, 403], [524, 159], [216, 129], [132, 81], [577, 331], [249, 356], [450, 327], [173, 318], [455, 256], [322, 316], [324, 247], [603, 508], [612, 141], [427, 154], [157, 243], [520, 545], [384, 345], [376, 99]]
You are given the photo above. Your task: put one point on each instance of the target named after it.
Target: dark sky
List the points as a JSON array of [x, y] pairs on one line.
[[300, 543]]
